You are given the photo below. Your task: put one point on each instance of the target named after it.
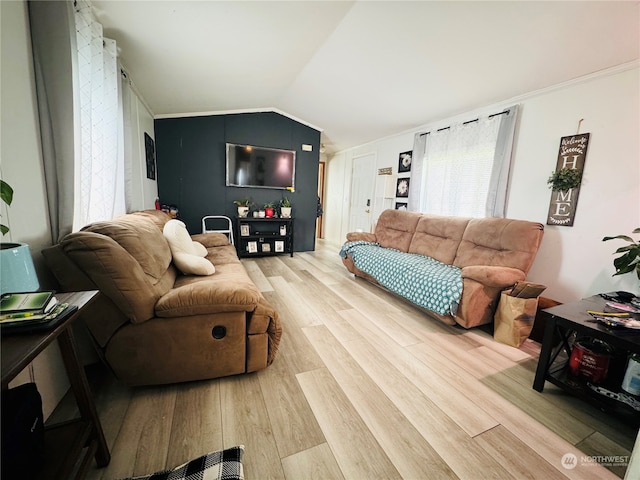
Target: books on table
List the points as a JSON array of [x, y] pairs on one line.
[[24, 302]]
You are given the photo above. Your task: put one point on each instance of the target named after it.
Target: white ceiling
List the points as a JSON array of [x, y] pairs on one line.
[[361, 70]]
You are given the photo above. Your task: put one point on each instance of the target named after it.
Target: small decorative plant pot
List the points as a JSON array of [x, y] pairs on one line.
[[243, 211], [261, 213], [285, 212], [268, 212]]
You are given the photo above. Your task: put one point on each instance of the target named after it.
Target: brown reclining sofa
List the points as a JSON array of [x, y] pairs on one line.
[[154, 325], [493, 254]]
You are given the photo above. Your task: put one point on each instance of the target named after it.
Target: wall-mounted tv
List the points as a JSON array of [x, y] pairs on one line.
[[261, 167]]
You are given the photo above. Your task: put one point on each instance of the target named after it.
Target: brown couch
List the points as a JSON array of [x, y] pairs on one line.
[[154, 325], [493, 254]]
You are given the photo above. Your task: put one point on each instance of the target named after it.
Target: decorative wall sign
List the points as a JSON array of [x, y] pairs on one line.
[[385, 171], [150, 154], [404, 161], [571, 155], [401, 206], [402, 187]]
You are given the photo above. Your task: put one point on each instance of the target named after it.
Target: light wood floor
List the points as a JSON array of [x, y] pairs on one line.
[[364, 386]]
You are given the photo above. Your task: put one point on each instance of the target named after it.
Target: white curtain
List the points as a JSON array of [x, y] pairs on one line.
[[100, 164], [462, 170]]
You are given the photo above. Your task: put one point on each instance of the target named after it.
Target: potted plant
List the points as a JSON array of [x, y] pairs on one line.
[[565, 179], [285, 207], [17, 272], [243, 206], [629, 261], [268, 209]]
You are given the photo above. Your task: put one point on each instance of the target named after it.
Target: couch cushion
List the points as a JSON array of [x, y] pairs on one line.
[[140, 237], [438, 237], [499, 241], [395, 229]]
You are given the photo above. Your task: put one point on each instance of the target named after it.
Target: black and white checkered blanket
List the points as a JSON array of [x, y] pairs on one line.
[[221, 465]]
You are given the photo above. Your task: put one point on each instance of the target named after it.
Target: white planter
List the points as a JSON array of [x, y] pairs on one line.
[[243, 211], [285, 212]]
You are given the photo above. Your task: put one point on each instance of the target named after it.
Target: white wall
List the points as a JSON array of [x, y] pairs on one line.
[[573, 261], [21, 167]]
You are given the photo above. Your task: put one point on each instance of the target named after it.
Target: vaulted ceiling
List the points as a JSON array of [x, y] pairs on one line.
[[361, 70]]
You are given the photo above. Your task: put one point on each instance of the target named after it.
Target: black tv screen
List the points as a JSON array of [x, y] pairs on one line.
[[250, 166]]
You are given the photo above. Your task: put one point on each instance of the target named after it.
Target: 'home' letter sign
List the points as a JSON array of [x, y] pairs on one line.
[[562, 208]]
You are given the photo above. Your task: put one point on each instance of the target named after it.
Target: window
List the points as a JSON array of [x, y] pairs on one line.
[[462, 170]]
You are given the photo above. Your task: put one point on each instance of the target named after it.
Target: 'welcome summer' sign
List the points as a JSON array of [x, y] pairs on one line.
[[562, 208]]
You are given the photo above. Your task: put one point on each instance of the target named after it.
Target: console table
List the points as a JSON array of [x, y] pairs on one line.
[[561, 322], [256, 237], [67, 443]]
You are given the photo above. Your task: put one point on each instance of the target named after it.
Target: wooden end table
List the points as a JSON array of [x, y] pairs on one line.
[[561, 322], [76, 440]]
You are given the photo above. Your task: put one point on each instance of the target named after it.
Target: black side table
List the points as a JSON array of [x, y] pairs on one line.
[[561, 322], [67, 442]]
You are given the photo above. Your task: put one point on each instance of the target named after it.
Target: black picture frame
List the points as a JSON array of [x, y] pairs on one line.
[[401, 206], [150, 154], [402, 187], [404, 161]]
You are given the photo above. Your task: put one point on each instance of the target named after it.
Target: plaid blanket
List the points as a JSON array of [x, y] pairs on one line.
[[221, 465], [420, 279]]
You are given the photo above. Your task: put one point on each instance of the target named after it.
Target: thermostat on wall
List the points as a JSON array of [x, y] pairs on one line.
[[307, 148]]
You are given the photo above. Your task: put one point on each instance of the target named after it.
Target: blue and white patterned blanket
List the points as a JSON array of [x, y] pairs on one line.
[[420, 279]]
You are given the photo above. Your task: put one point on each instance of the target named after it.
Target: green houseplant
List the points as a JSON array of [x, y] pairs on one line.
[[243, 206], [285, 207], [629, 261], [565, 179], [6, 194], [268, 209]]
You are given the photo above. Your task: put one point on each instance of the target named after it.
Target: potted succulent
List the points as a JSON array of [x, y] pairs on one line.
[[565, 179], [285, 207], [268, 209], [629, 261], [243, 206]]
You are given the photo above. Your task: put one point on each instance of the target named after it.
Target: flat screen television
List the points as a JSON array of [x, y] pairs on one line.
[[261, 167]]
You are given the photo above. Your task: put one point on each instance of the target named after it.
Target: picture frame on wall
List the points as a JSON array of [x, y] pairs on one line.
[[244, 230], [402, 187], [150, 156], [252, 247], [279, 246], [266, 247], [401, 206], [404, 161]]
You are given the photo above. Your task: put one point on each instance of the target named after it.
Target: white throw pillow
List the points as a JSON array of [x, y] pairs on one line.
[[188, 256]]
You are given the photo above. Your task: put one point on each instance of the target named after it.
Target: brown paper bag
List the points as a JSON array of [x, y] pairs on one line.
[[513, 320]]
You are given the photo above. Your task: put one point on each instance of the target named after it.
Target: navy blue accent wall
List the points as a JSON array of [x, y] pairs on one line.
[[190, 154]]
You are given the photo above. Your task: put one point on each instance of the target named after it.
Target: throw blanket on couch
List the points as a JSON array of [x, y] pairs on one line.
[[422, 280]]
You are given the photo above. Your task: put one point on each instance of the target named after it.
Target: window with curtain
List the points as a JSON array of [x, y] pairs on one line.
[[462, 170], [99, 166]]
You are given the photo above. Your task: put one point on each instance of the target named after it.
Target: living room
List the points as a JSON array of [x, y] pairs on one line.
[[572, 261]]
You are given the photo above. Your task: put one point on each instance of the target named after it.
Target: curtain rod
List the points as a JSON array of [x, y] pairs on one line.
[[469, 121]]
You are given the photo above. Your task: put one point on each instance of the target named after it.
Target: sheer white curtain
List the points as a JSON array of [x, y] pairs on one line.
[[463, 170], [99, 165]]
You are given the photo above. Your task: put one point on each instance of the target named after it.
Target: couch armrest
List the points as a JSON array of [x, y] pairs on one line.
[[493, 276], [364, 236], [205, 297]]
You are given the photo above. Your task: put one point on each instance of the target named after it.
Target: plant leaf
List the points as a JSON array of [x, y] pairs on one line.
[[3, 229], [621, 237], [6, 192]]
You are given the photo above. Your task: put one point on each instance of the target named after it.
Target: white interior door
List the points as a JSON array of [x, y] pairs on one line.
[[362, 183]]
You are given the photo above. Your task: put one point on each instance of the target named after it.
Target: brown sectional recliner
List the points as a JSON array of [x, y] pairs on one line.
[[154, 325], [492, 253]]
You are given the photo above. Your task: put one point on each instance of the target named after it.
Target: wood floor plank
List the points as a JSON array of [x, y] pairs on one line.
[[448, 393], [301, 313], [257, 276], [293, 424], [197, 422], [317, 463], [275, 267], [356, 451], [405, 445], [246, 422], [616, 457]]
